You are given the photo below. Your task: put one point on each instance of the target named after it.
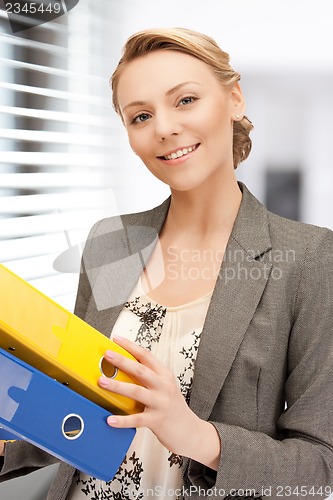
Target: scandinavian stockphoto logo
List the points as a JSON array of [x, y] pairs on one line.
[[23, 15]]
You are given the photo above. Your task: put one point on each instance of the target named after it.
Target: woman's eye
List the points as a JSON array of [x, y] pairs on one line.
[[143, 117], [187, 100]]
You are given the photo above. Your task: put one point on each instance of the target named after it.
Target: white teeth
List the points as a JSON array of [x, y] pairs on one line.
[[180, 152]]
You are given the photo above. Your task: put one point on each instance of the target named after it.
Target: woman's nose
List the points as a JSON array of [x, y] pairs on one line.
[[166, 125]]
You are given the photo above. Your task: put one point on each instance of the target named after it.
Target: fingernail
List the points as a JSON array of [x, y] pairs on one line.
[[117, 338], [111, 420], [110, 354], [104, 381]]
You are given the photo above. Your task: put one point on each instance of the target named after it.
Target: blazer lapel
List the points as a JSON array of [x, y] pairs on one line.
[[134, 242], [239, 286]]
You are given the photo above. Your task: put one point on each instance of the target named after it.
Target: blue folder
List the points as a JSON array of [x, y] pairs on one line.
[[41, 410], [6, 435]]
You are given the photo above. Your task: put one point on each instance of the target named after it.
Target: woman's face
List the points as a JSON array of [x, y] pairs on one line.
[[179, 118]]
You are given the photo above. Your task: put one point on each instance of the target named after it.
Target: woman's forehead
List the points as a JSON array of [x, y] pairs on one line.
[[161, 70], [167, 60]]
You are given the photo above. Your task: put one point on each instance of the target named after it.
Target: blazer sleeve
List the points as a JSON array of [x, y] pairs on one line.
[[300, 463], [84, 293], [21, 458]]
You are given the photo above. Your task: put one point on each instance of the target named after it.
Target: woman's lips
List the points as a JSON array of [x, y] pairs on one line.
[[179, 155]]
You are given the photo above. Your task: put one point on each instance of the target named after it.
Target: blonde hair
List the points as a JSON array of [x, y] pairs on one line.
[[197, 45]]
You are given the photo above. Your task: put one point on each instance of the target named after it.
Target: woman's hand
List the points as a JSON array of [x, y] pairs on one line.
[[166, 413]]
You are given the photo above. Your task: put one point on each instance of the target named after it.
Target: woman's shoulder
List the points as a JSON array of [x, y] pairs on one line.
[[149, 217], [124, 235], [300, 236], [257, 224]]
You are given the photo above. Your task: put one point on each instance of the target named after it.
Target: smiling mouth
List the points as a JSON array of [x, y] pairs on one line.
[[180, 152]]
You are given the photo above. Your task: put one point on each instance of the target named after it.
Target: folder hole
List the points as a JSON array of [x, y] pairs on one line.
[[72, 426], [107, 369]]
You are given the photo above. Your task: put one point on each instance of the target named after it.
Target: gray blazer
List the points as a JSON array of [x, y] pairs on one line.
[[264, 368]]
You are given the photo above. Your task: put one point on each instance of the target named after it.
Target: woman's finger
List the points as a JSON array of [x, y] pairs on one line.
[[133, 391], [125, 421], [140, 353], [135, 369]]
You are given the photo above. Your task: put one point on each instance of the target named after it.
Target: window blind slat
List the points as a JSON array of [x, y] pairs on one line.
[[54, 137], [82, 119], [15, 227], [28, 158], [33, 267], [61, 287], [38, 203], [30, 246], [35, 45], [56, 285], [47, 69], [46, 180], [60, 51], [29, 21], [57, 94]]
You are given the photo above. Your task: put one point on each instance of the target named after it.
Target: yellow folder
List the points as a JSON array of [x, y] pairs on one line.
[[37, 330]]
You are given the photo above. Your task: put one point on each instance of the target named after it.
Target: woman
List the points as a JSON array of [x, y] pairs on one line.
[[231, 303]]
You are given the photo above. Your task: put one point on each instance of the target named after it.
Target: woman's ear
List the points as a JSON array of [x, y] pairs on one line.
[[238, 102]]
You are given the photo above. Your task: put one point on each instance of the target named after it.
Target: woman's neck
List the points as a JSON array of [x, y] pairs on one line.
[[205, 212]]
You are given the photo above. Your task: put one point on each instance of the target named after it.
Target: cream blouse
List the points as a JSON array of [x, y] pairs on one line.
[[172, 334]]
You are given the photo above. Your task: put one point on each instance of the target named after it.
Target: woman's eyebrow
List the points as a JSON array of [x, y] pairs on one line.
[[168, 93], [179, 86]]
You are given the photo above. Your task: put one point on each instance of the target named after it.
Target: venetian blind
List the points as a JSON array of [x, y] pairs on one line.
[[56, 144]]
